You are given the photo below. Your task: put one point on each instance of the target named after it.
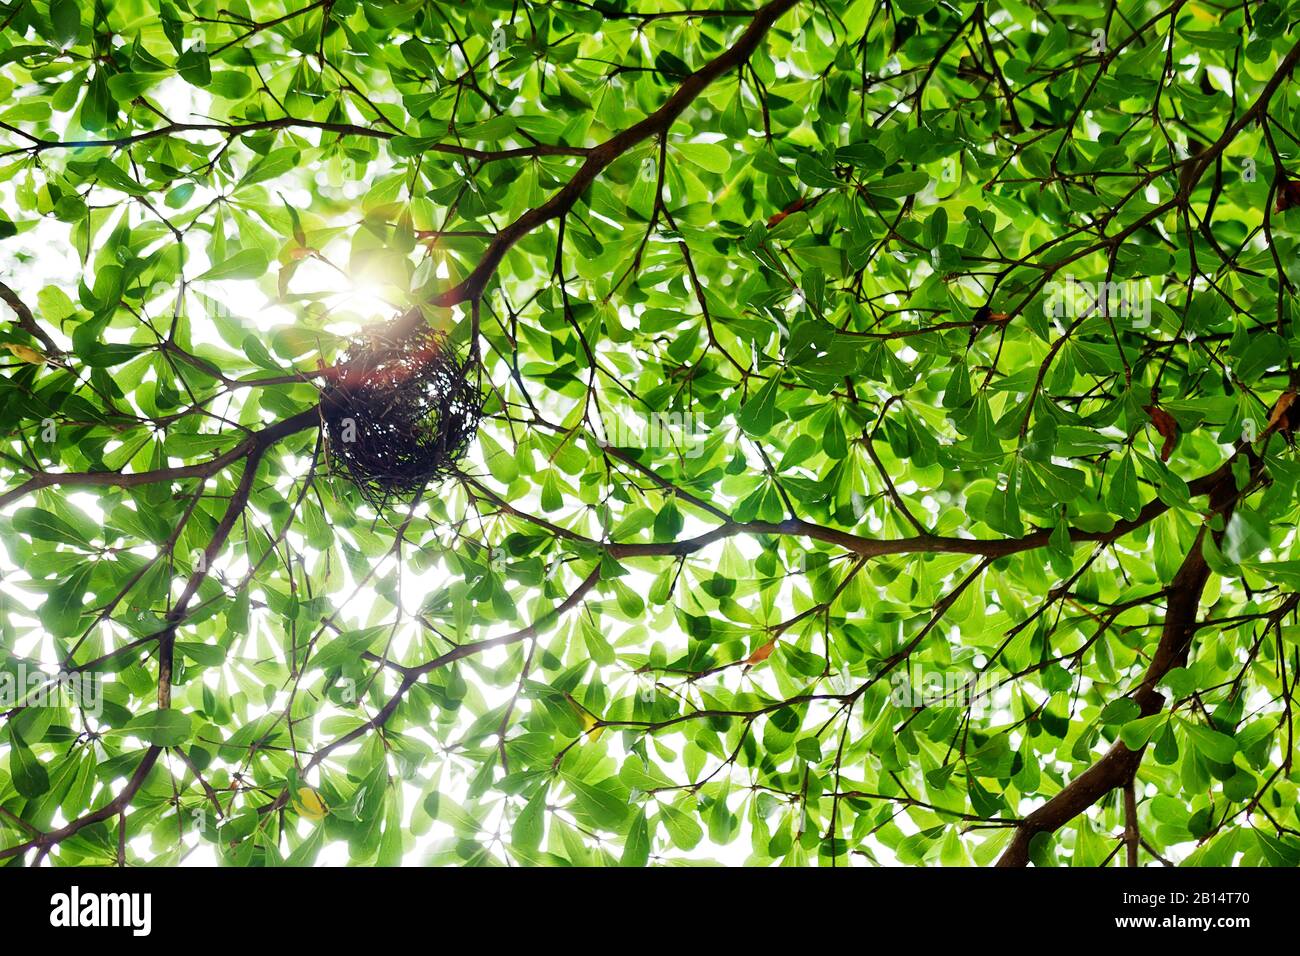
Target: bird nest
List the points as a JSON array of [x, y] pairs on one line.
[[399, 412]]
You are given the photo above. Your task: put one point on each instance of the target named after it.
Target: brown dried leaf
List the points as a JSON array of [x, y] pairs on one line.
[[1167, 426], [1288, 195], [789, 210], [1278, 416]]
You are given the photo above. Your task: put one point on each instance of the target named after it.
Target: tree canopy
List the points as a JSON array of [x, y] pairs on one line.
[[885, 449]]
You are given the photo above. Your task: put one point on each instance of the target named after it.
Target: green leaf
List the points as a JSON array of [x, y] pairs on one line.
[[810, 749], [1123, 497], [65, 16], [709, 156], [812, 171], [601, 804], [306, 852], [162, 728], [1218, 747], [759, 413], [899, 185], [1121, 711], [61, 613], [1136, 733], [47, 526], [28, 774], [258, 354], [682, 827], [244, 264], [636, 845], [109, 175], [526, 834], [209, 655], [127, 86]]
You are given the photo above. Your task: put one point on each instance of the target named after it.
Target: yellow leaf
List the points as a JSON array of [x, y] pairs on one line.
[[26, 353], [589, 726], [309, 804], [586, 718]]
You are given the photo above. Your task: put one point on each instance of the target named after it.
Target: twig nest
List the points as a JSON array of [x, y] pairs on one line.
[[399, 412]]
